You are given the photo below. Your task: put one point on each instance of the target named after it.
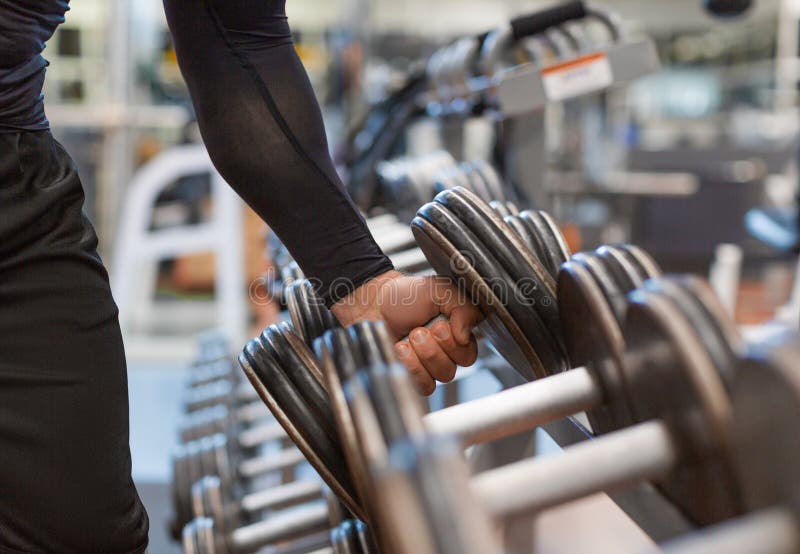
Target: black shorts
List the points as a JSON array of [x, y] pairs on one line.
[[65, 464]]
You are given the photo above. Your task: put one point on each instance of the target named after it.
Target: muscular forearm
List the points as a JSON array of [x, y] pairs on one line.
[[262, 126]]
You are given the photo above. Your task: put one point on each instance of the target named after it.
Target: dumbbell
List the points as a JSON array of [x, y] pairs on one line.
[[208, 500], [766, 454], [255, 373], [346, 535], [213, 456], [505, 413], [465, 239], [346, 538], [666, 327]]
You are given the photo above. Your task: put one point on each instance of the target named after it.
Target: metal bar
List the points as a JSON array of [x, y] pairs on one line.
[[518, 409], [275, 497], [251, 412], [281, 526], [271, 462], [642, 452], [769, 531], [256, 436]]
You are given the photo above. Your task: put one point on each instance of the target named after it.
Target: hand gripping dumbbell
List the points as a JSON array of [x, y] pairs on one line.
[[464, 238], [766, 455], [676, 384], [506, 413], [215, 456], [347, 536], [578, 391]]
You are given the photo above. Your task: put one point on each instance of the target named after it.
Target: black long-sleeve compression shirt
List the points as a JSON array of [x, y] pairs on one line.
[[258, 117], [263, 129]]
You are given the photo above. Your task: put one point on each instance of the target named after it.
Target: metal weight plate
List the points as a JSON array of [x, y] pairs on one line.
[[672, 375], [181, 485], [646, 264], [198, 537], [344, 538], [615, 294], [337, 512], [298, 314], [510, 244], [291, 273], [215, 459], [620, 266], [711, 322], [594, 339], [500, 327], [500, 208], [375, 373], [320, 449], [336, 375], [365, 542], [527, 236], [494, 276], [309, 315], [766, 398], [557, 235], [357, 423], [207, 502], [551, 250], [304, 381], [314, 325], [476, 183], [303, 351], [531, 289], [492, 180]]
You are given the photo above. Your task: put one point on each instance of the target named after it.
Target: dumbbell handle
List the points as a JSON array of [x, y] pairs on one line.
[[280, 527], [216, 419], [645, 451], [518, 409], [768, 531], [292, 493], [256, 436], [268, 463], [216, 393]]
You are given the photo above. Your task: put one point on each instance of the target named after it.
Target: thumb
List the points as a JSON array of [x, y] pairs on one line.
[[453, 303]]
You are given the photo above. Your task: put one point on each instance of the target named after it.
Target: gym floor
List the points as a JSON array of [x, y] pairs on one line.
[[155, 392]]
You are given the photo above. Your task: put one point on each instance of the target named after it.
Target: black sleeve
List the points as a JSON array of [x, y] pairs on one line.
[[263, 129]]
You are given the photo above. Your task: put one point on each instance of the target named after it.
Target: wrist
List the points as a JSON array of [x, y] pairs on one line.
[[363, 303]]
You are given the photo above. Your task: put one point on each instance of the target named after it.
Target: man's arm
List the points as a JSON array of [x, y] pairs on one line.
[[262, 126]]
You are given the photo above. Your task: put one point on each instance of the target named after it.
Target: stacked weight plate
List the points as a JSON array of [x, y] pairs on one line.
[[592, 290], [288, 378], [465, 239], [310, 316], [539, 232]]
